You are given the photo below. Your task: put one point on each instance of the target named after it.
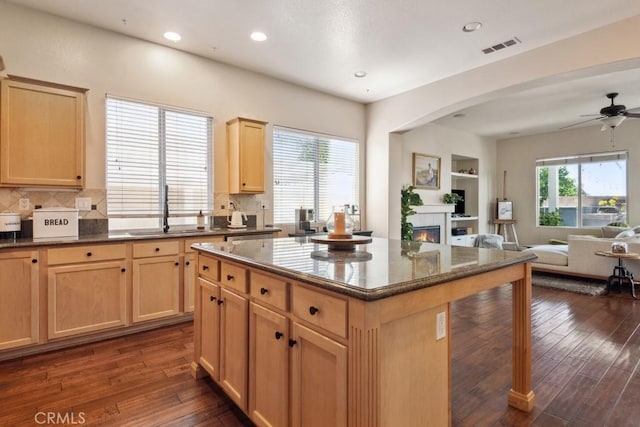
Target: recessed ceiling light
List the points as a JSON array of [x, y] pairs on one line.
[[173, 36], [471, 27], [258, 36], [360, 74]]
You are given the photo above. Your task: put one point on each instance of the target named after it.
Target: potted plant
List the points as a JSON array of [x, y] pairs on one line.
[[409, 198], [451, 198]]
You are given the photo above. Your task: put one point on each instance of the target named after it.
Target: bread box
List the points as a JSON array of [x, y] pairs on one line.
[[55, 222]]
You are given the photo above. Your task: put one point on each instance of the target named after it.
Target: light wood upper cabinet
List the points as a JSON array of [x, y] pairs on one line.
[[245, 145], [18, 299], [42, 134]]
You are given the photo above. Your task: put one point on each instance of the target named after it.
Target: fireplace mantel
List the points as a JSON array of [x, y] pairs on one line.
[[436, 208]]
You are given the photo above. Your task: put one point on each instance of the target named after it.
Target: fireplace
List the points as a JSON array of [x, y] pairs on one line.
[[429, 233]]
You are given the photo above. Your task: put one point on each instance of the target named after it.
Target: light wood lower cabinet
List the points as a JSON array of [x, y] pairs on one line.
[[234, 345], [210, 330], [86, 297], [318, 379], [156, 286], [293, 374], [268, 367], [18, 299]]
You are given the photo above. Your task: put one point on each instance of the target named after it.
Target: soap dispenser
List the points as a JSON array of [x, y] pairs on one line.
[[200, 224]]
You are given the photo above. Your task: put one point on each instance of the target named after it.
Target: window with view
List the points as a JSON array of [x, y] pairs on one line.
[[152, 149], [582, 191], [312, 171]]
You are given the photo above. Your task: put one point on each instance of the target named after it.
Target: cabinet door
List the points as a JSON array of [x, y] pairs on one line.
[[18, 299], [189, 280], [246, 155], [210, 328], [318, 380], [42, 134], [234, 338], [156, 287], [86, 297], [268, 367]]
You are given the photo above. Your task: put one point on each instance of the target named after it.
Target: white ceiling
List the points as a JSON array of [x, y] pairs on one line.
[[401, 44]]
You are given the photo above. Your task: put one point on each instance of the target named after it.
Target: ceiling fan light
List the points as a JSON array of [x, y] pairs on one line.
[[612, 122]]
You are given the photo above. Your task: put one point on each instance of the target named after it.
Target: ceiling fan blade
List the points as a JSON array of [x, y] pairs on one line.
[[579, 123], [590, 115], [635, 115]]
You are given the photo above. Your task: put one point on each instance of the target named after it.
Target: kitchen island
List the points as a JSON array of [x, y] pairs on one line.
[[299, 335]]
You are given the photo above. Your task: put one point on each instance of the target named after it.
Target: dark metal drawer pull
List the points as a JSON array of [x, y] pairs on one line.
[[229, 277], [279, 335], [263, 291], [313, 310]]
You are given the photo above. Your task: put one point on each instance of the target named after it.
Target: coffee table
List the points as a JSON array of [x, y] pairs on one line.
[[620, 273]]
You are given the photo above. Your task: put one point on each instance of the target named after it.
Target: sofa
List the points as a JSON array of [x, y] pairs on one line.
[[578, 258]]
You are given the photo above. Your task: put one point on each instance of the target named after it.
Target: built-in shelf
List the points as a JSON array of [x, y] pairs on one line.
[[463, 175]]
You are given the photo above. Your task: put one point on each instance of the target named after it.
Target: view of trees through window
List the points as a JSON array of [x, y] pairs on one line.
[[582, 191]]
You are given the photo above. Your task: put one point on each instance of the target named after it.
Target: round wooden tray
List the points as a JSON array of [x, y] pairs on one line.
[[347, 244]]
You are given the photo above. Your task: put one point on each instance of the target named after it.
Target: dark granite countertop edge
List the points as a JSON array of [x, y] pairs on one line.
[[124, 236], [372, 294]]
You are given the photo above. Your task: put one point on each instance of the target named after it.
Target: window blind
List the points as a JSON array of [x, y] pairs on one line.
[[313, 171], [150, 146]]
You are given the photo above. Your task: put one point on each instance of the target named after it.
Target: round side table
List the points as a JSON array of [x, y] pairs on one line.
[[620, 273]]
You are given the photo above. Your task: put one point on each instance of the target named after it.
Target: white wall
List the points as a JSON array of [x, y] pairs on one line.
[[518, 157], [586, 54], [49, 48], [444, 142]]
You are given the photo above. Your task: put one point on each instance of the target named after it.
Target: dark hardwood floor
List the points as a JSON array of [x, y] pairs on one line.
[[586, 353]]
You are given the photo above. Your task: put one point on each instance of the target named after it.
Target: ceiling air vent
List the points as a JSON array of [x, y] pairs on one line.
[[502, 45]]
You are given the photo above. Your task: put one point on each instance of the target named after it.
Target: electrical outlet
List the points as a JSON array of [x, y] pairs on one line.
[[83, 203], [24, 204], [441, 325]]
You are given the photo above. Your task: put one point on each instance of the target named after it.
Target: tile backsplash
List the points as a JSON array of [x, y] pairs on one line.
[[10, 200]]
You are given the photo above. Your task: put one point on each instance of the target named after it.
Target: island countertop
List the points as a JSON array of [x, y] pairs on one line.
[[373, 271]]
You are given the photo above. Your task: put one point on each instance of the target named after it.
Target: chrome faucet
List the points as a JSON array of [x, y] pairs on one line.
[[165, 217]]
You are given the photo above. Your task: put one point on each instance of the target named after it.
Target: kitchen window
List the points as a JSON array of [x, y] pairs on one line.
[[151, 148], [313, 171], [582, 191]]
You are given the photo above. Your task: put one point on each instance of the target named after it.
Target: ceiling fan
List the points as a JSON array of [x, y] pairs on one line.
[[611, 116]]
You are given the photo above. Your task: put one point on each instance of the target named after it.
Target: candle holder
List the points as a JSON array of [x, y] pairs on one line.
[[340, 224]]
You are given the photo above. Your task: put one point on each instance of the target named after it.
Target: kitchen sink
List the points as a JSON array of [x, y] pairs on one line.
[[169, 233]]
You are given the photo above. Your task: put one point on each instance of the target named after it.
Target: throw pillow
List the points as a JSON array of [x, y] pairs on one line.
[[636, 229], [625, 233], [490, 241], [610, 231]]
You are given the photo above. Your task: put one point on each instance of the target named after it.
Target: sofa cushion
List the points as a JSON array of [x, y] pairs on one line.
[[611, 231], [493, 241], [550, 254], [625, 233]]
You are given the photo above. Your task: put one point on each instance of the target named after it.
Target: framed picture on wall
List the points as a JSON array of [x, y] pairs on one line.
[[426, 171], [505, 209]]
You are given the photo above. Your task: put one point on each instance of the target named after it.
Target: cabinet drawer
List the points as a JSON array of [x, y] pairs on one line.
[[204, 239], [209, 268], [76, 254], [233, 276], [156, 248], [269, 290], [325, 311]]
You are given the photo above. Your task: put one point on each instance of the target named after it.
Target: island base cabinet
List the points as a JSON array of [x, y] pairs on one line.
[[86, 297], [18, 299], [210, 328], [234, 346], [268, 367], [318, 380]]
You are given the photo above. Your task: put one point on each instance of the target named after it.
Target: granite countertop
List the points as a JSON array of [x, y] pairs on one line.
[[135, 235], [373, 271]]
